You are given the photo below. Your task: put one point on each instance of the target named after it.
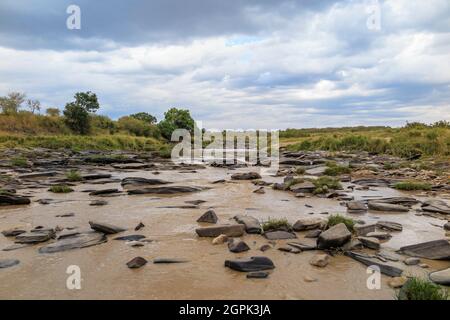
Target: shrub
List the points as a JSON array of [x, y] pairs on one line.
[[276, 224], [325, 183], [337, 219], [60, 189], [412, 185], [73, 175], [421, 289], [335, 170]]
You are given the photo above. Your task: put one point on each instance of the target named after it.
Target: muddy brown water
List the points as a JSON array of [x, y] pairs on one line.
[[103, 267]]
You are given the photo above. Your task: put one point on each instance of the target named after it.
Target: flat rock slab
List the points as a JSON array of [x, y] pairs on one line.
[[364, 229], [76, 242], [386, 269], [304, 224], [304, 246], [246, 176], [7, 263], [105, 227], [16, 246], [389, 226], [135, 181], [405, 201], [103, 192], [381, 206], [12, 200], [169, 260], [33, 237], [356, 207], [250, 264], [434, 250], [279, 235], [257, 275], [96, 176], [441, 277], [436, 206], [233, 230], [165, 190], [334, 237], [252, 225], [303, 187], [38, 175], [132, 237], [12, 232], [372, 182]]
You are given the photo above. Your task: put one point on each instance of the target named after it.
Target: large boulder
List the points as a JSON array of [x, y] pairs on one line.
[[233, 230], [308, 224], [250, 264], [246, 176], [334, 237], [252, 225], [434, 250]]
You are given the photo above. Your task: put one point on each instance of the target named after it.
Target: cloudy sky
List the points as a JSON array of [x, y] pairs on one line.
[[236, 63]]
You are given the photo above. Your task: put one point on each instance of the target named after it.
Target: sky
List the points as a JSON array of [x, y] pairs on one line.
[[236, 64]]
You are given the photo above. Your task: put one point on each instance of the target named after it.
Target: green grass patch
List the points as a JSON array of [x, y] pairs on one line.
[[421, 289], [412, 185], [19, 162], [336, 170], [337, 219], [325, 183], [60, 189], [74, 175], [276, 224]]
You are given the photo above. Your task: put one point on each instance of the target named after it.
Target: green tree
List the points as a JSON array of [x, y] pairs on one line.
[[144, 116], [76, 113], [175, 119], [10, 104]]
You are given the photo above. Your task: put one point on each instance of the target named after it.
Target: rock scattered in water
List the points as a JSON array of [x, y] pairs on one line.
[[433, 250], [380, 206], [304, 246], [385, 268], [313, 233], [208, 217], [195, 202], [260, 190], [334, 237], [265, 247], [168, 261], [12, 232], [98, 203], [165, 190], [33, 237], [389, 226], [237, 246], [441, 277], [250, 264], [304, 224], [7, 199], [252, 225], [233, 230], [436, 206], [138, 182], [379, 235], [136, 263], [257, 275], [371, 243], [16, 246], [279, 235], [8, 263], [133, 237], [364, 229], [356, 207], [221, 239], [105, 227], [103, 192], [65, 215], [139, 226], [75, 242], [303, 187], [353, 244], [320, 260], [411, 261], [246, 176]]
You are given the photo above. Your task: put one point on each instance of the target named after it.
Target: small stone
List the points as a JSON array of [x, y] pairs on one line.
[[220, 239], [237, 246], [136, 263], [260, 190], [7, 263], [397, 282], [98, 203], [424, 265], [300, 195], [309, 279], [411, 261], [379, 235], [257, 275], [208, 217], [265, 247], [320, 260], [135, 243], [139, 226], [441, 277], [447, 226]]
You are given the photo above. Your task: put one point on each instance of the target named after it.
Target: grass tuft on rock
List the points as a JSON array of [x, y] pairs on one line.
[[337, 219], [335, 170], [421, 289], [74, 175], [412, 185], [325, 183], [60, 189], [276, 224]]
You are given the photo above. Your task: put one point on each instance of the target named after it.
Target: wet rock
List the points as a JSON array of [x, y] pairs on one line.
[[304, 224], [441, 277], [389, 226], [12, 232], [208, 217], [436, 206], [195, 202], [135, 243], [105, 227], [168, 261], [139, 182], [67, 234], [250, 264], [96, 176], [7, 263], [65, 215], [33, 237], [7, 199], [260, 190], [447, 226], [79, 241], [320, 260], [364, 229], [220, 239], [237, 246], [257, 275], [434, 250], [353, 244], [139, 226], [397, 282], [313, 233], [103, 192], [279, 235], [304, 246], [246, 176], [265, 247], [279, 186], [165, 190], [16, 246], [317, 171], [252, 225], [133, 237], [38, 175], [404, 201], [380, 206], [385, 268], [411, 261], [334, 237], [356, 207], [379, 235], [371, 243], [367, 182], [136, 263], [303, 187], [234, 230], [300, 195], [98, 203]]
